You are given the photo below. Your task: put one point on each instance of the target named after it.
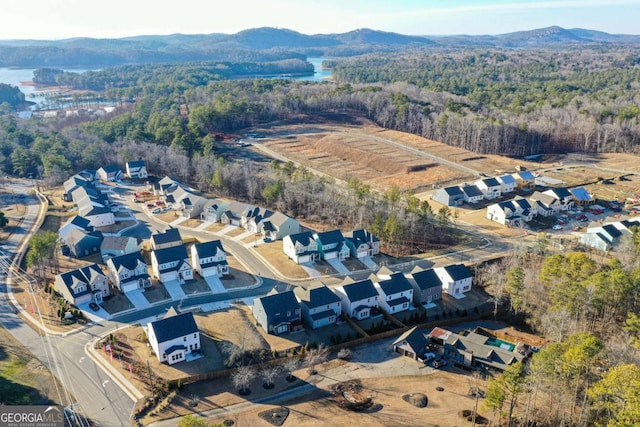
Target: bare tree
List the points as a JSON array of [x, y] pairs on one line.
[[242, 377], [233, 353], [268, 374], [290, 366], [314, 357]]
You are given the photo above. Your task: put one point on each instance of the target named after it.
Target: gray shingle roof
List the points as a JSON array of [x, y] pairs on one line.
[[415, 339], [329, 237], [458, 271], [170, 235], [280, 302], [316, 296], [207, 249], [397, 283], [128, 261], [360, 290], [174, 253], [472, 191], [427, 279], [174, 327]]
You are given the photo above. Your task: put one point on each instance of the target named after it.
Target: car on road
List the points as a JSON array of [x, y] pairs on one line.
[[439, 363], [94, 306], [582, 218]]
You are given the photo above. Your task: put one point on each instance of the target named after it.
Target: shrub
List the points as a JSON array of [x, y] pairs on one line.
[[344, 354]]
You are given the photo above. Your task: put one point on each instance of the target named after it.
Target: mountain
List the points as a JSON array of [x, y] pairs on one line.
[[270, 44]]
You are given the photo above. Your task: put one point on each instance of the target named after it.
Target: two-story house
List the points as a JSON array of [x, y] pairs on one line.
[[508, 183], [213, 210], [490, 187], [456, 279], [278, 313], [396, 293], [209, 259], [128, 272], [109, 173], [118, 245], [427, 286], [563, 195], [511, 212], [449, 196], [169, 238], [359, 299], [331, 245], [525, 180], [362, 243], [301, 247], [171, 264], [136, 169], [83, 285], [471, 193], [320, 306], [174, 337]]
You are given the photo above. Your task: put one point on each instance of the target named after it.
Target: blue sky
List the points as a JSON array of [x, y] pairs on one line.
[[56, 19]]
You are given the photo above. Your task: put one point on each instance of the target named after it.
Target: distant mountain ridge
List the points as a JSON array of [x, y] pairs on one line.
[[268, 44]]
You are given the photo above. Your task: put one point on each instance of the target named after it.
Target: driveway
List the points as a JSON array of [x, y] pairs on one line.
[[138, 299], [215, 284], [175, 290], [308, 268], [339, 266], [368, 262]]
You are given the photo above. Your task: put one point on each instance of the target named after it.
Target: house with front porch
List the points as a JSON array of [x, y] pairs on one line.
[[109, 173], [174, 337], [427, 287], [128, 272], [213, 210], [232, 214], [332, 245], [278, 313], [359, 299], [136, 169], [362, 243], [456, 279], [209, 259], [546, 204], [395, 293], [512, 212], [564, 197], [320, 306], [171, 264], [83, 285], [301, 247]]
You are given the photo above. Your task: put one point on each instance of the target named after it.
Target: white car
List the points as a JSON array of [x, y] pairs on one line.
[[556, 227]]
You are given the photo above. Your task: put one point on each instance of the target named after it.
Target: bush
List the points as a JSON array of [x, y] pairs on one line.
[[344, 354]]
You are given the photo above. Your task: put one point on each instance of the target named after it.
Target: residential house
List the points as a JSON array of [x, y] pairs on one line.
[[169, 238], [233, 213], [427, 286], [128, 272], [545, 204], [270, 224], [89, 195], [83, 243], [581, 197], [526, 180], [209, 259], [490, 188], [98, 215], [472, 194], [563, 195], [320, 307], [213, 210], [508, 183], [411, 343], [118, 245], [456, 279], [358, 299], [110, 173], [83, 285], [136, 169], [331, 245], [174, 337], [473, 350], [171, 264], [162, 187], [396, 293], [278, 313], [449, 196], [603, 237], [76, 222], [301, 247], [73, 183], [512, 212], [362, 243]]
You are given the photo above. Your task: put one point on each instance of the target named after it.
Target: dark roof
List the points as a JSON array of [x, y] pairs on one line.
[[280, 302], [72, 277], [360, 290], [329, 237], [363, 236], [128, 261], [174, 253], [82, 222], [612, 230], [561, 192], [303, 238], [174, 348], [396, 283], [491, 182], [523, 203], [316, 296], [472, 191], [454, 190], [427, 279], [135, 164], [111, 168], [207, 249], [174, 327], [117, 243], [458, 271], [415, 339], [398, 301], [170, 235], [322, 315]]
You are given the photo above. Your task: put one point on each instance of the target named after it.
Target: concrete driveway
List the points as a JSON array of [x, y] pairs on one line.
[[175, 290], [215, 284], [138, 299], [338, 266]]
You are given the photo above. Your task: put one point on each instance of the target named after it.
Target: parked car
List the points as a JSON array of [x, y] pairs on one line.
[[439, 363], [157, 211], [266, 239], [428, 357], [94, 306], [582, 218], [557, 227], [160, 203]]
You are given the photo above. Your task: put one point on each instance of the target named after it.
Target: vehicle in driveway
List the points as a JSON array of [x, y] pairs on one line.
[[582, 218], [157, 211], [428, 357], [93, 306], [557, 227], [439, 363]]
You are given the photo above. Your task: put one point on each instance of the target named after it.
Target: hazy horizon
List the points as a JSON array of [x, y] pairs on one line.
[[57, 20]]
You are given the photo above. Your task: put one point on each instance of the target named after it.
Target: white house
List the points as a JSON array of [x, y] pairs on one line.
[[564, 197], [508, 183], [301, 247], [109, 173], [363, 243], [171, 264], [396, 293], [174, 337], [83, 285], [511, 212], [603, 237], [472, 194], [112, 246], [169, 238], [136, 169], [320, 306], [490, 187], [209, 259], [128, 272], [456, 279], [358, 299]]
